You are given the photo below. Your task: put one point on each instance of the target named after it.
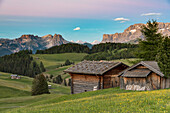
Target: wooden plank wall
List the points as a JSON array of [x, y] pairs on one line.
[[153, 81], [111, 78], [83, 83], [165, 83]]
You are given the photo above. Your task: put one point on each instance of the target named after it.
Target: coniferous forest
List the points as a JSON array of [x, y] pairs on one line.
[[21, 63], [65, 48]]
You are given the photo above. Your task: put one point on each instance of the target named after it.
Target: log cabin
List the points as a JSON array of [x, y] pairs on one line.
[[145, 75], [94, 75]]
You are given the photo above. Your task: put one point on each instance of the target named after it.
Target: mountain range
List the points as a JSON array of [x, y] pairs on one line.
[[133, 33], [30, 42], [34, 43]]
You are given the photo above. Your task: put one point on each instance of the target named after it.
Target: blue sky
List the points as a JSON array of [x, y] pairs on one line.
[[92, 18]]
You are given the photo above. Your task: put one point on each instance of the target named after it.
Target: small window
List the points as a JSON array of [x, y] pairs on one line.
[[85, 90]]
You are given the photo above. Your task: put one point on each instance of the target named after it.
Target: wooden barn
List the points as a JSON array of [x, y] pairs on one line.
[[94, 75], [145, 75]]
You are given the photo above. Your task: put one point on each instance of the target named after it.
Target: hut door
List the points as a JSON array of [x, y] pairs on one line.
[[107, 82]]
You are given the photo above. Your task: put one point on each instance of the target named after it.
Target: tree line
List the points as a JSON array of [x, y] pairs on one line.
[[111, 55], [21, 63], [65, 48]]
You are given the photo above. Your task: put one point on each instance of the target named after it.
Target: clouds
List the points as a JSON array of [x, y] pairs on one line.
[[121, 20], [151, 14], [76, 29]]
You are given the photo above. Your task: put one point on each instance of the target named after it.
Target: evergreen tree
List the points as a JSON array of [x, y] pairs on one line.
[[149, 46], [36, 68], [39, 85], [69, 82], [42, 67], [67, 62], [59, 80], [65, 82], [51, 76], [163, 56]]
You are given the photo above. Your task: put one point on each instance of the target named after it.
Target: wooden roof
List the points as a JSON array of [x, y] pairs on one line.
[[92, 67], [151, 65], [137, 73]]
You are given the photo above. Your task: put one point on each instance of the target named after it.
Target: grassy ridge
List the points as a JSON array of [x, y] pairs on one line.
[[52, 61], [107, 100], [58, 59], [16, 93]]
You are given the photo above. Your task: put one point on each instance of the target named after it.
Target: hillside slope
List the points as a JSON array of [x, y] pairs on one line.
[[17, 92], [107, 100]]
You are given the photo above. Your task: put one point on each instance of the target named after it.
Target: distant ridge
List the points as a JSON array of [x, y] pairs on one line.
[[31, 42], [133, 33]]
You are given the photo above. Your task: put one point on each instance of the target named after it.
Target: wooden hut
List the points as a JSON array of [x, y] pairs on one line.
[[145, 75], [15, 77], [94, 75]]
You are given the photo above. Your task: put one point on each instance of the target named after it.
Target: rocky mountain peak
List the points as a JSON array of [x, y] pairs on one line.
[[32, 42], [47, 36], [28, 36], [133, 33]]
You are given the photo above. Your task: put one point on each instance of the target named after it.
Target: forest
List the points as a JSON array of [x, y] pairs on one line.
[[103, 51], [21, 63], [65, 48]]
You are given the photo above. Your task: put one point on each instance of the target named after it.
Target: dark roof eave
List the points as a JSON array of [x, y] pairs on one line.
[[84, 73], [137, 76]]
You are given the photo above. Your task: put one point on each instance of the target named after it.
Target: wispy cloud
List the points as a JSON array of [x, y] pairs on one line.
[[16, 20], [76, 29], [122, 20], [151, 14]]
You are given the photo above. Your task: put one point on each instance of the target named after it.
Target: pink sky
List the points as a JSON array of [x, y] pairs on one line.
[[81, 8]]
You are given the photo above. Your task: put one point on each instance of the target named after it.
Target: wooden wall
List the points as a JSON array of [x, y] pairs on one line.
[[153, 81], [82, 83], [165, 82], [111, 78]]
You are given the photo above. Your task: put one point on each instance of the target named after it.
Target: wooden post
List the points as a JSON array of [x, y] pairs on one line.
[[72, 92]]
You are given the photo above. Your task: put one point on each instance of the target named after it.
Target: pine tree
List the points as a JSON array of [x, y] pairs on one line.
[[42, 67], [65, 82], [149, 46], [59, 80], [67, 62], [51, 76], [39, 85], [36, 68], [163, 56]]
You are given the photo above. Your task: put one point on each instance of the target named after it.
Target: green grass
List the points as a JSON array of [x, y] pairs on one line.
[[7, 92], [52, 61], [128, 62], [107, 100], [16, 93]]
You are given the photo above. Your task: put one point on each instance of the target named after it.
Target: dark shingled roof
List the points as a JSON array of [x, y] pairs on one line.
[[137, 73], [151, 65], [92, 67]]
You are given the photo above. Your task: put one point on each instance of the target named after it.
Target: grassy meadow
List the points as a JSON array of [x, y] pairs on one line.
[[15, 96], [107, 100]]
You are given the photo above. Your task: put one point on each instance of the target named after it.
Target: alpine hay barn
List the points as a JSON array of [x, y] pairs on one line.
[[145, 75], [95, 75]]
